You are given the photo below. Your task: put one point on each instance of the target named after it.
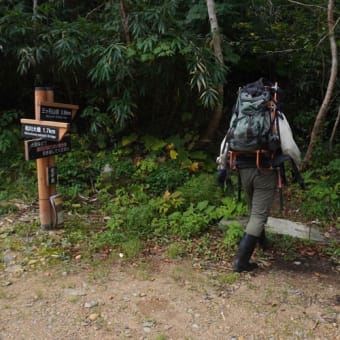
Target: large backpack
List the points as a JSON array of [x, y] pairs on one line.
[[253, 124], [257, 127]]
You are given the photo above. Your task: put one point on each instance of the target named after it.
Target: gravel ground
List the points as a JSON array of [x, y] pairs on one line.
[[156, 298], [162, 299]]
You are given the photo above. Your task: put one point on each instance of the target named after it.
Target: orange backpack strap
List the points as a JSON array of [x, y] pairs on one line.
[[232, 158]]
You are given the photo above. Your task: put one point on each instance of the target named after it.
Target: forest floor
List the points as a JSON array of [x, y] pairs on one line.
[[155, 297]]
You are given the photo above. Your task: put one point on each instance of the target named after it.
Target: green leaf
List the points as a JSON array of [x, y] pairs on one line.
[[202, 205], [153, 143], [127, 140]]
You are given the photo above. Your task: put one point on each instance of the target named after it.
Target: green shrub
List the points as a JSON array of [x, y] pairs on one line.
[[132, 247], [139, 219], [230, 207], [168, 177], [9, 133], [321, 199], [233, 235], [76, 168], [169, 202], [7, 208], [193, 221], [176, 250], [202, 187]]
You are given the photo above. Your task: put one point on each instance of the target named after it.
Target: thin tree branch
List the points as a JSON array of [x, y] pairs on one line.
[[334, 131], [288, 50], [95, 9], [306, 5], [327, 35]]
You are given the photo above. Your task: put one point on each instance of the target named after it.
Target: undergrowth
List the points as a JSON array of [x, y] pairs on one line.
[[147, 189]]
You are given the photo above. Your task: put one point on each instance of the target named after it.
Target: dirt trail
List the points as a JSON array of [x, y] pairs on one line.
[[162, 299], [157, 298]]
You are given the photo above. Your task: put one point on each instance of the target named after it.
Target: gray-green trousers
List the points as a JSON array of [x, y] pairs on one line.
[[259, 188]]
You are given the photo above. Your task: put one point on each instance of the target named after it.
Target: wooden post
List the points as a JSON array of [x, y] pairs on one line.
[[45, 212], [51, 159]]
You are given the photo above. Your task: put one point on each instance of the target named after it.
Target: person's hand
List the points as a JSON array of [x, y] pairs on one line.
[[221, 176]]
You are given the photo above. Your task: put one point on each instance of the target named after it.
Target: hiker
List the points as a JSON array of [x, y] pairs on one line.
[[259, 188], [257, 143]]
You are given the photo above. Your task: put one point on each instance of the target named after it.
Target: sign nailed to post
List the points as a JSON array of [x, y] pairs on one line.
[[57, 112], [39, 148], [53, 131]]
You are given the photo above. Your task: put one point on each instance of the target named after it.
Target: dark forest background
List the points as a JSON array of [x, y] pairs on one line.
[[149, 67]]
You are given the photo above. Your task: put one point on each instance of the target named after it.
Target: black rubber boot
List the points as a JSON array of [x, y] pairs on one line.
[[245, 250]]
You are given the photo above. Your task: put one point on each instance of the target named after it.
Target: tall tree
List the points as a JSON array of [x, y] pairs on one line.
[[331, 83], [216, 40], [35, 5]]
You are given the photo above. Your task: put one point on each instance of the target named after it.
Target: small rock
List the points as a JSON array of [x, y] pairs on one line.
[[32, 262], [14, 269], [148, 324], [91, 304], [147, 329], [93, 317], [75, 292], [9, 257]]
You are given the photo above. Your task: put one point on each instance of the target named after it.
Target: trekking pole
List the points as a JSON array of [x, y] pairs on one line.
[[239, 186], [279, 185], [273, 107]]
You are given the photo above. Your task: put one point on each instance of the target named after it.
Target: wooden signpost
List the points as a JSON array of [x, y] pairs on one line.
[[50, 130]]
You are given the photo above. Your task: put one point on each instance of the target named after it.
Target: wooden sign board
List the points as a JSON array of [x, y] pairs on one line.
[[57, 112], [40, 148], [52, 131]]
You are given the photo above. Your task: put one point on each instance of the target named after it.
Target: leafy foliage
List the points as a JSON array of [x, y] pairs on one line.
[[233, 235], [130, 214], [146, 90], [118, 73], [322, 199], [151, 68], [9, 131]]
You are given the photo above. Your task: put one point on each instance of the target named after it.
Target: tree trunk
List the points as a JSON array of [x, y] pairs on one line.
[[215, 120], [331, 83], [35, 5], [125, 21]]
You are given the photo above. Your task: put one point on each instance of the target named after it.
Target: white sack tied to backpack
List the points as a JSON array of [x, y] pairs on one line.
[[288, 145], [222, 159]]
